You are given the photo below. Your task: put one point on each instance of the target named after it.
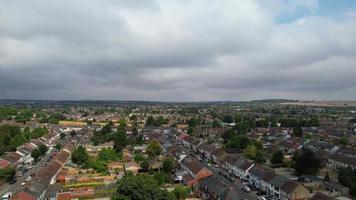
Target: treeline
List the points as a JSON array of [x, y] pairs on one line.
[[12, 136]]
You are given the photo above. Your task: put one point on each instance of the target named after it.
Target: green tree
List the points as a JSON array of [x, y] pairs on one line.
[[7, 174], [35, 154], [168, 165], [154, 148], [140, 187], [352, 189], [43, 149], [327, 177], [107, 154], [228, 119], [120, 140], [297, 131], [181, 192], [80, 155], [145, 165], [58, 146], [250, 151], [307, 163], [277, 157]]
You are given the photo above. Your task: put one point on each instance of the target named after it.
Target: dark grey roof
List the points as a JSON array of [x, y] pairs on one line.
[[279, 181], [52, 191]]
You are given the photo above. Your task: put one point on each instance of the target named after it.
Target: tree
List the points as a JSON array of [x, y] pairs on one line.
[[181, 192], [150, 121], [72, 133], [120, 140], [216, 124], [140, 187], [7, 174], [228, 119], [107, 154], [58, 146], [154, 148], [43, 149], [62, 135], [277, 157], [145, 165], [238, 142], [307, 163], [250, 151], [327, 177], [346, 176], [80, 155], [35, 154], [298, 131], [353, 189], [168, 165]]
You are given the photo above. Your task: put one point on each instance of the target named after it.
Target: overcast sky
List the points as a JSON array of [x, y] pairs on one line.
[[183, 50]]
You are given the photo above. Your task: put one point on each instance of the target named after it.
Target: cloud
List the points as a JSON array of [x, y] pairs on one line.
[[173, 51]]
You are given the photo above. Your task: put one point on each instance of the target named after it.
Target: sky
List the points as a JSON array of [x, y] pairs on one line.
[[178, 50]]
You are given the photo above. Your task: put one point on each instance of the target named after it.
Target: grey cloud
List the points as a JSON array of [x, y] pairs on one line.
[[172, 50]]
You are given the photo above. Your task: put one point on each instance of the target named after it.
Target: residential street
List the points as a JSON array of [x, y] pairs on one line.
[[237, 184], [17, 186]]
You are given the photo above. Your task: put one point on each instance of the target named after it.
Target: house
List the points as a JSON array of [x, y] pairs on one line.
[[321, 145], [195, 145], [132, 167], [195, 171], [229, 161], [13, 158], [213, 188], [334, 186], [292, 190], [23, 196], [289, 147], [320, 196], [255, 174], [337, 161], [206, 150], [52, 192], [4, 163], [241, 167], [275, 185], [93, 150], [218, 155], [187, 141]]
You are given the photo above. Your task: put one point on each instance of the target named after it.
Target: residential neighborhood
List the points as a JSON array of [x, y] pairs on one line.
[[195, 155]]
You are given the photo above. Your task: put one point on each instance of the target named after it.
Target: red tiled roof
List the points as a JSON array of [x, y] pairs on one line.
[[23, 196], [4, 164]]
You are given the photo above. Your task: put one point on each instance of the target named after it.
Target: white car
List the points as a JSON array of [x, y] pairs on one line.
[[28, 178], [246, 189], [6, 196], [209, 165], [262, 198], [23, 183]]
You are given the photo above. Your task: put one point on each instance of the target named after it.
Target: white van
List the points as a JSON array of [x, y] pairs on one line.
[[6, 196]]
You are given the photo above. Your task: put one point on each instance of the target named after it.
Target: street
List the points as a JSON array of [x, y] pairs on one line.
[[17, 186]]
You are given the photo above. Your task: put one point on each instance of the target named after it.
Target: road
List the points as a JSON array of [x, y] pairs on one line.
[[17, 186]]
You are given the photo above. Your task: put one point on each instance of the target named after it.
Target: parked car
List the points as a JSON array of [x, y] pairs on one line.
[[6, 196], [246, 189], [262, 198], [231, 179], [209, 165], [23, 183], [28, 178]]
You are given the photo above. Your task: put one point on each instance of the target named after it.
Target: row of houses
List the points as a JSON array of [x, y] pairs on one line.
[[259, 177], [37, 188], [22, 155]]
